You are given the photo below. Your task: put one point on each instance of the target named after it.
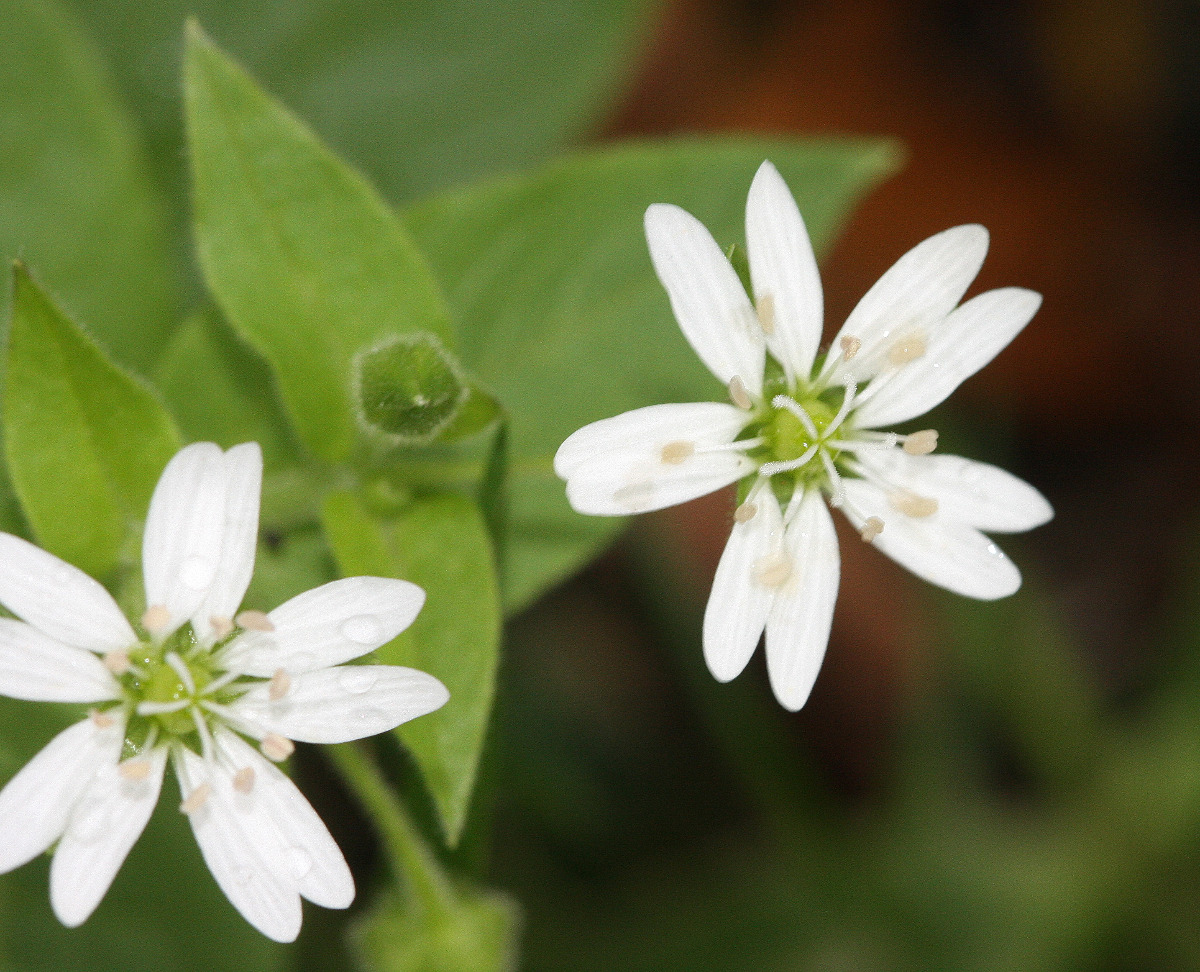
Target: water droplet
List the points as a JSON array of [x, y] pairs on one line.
[[242, 876], [197, 572], [357, 679], [363, 629], [300, 861]]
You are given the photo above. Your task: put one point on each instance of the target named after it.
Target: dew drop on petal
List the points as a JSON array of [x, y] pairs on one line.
[[357, 679], [362, 629], [299, 861], [197, 572]]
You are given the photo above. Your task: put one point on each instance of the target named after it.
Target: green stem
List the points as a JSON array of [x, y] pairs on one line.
[[405, 849]]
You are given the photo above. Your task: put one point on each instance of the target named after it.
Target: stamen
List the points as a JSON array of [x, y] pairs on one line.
[[907, 349], [766, 313], [156, 618], [243, 779], [134, 769], [773, 570], [793, 503], [222, 627], [838, 494], [101, 720], [739, 394], [161, 708], [196, 799], [921, 443], [206, 740], [184, 673], [911, 504], [746, 512], [850, 347], [844, 410], [783, 401], [769, 469], [277, 748], [279, 686], [674, 453], [220, 682], [871, 528], [117, 661], [255, 621]]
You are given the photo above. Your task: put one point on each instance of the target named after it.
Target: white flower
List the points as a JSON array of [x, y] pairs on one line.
[[201, 679], [802, 429]]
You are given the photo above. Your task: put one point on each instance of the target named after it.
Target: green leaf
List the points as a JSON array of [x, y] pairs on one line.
[[78, 201], [305, 260], [85, 442], [560, 313], [409, 389], [440, 543], [421, 94]]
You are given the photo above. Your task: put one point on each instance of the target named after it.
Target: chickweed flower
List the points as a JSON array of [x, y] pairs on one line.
[[804, 429], [220, 694]]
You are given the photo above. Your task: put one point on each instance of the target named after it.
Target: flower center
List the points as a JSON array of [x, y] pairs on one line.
[[789, 437]]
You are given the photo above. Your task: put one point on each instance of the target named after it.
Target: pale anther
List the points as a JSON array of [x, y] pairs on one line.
[[222, 627], [739, 394], [277, 748], [255, 621], [243, 779], [674, 453], [921, 443], [196, 799], [871, 528], [850, 347], [766, 313], [101, 720], [279, 686], [134, 769], [907, 349], [117, 661], [746, 512], [156, 618], [911, 504], [773, 570]]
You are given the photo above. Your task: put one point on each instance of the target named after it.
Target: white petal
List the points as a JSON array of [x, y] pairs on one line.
[[798, 627], [36, 803], [241, 847], [328, 625], [37, 668], [738, 604], [243, 470], [106, 823], [618, 466], [181, 549], [58, 599], [708, 299], [920, 289], [311, 855], [986, 497], [334, 705], [957, 348], [783, 268], [942, 550]]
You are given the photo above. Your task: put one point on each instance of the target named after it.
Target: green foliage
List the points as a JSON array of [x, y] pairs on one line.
[[560, 314], [440, 543], [408, 388], [85, 442], [305, 260]]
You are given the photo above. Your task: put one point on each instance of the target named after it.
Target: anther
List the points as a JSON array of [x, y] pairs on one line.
[[117, 661], [277, 748], [101, 720], [871, 528], [921, 443], [746, 512], [134, 769], [773, 570], [222, 627], [907, 349], [739, 394], [766, 313], [910, 504], [196, 799], [279, 686], [156, 618], [243, 779], [674, 453], [255, 621], [850, 347]]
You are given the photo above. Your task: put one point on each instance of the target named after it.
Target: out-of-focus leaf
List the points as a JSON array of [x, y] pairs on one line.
[[560, 313], [409, 389], [305, 260], [85, 442], [440, 543], [76, 200], [422, 94]]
